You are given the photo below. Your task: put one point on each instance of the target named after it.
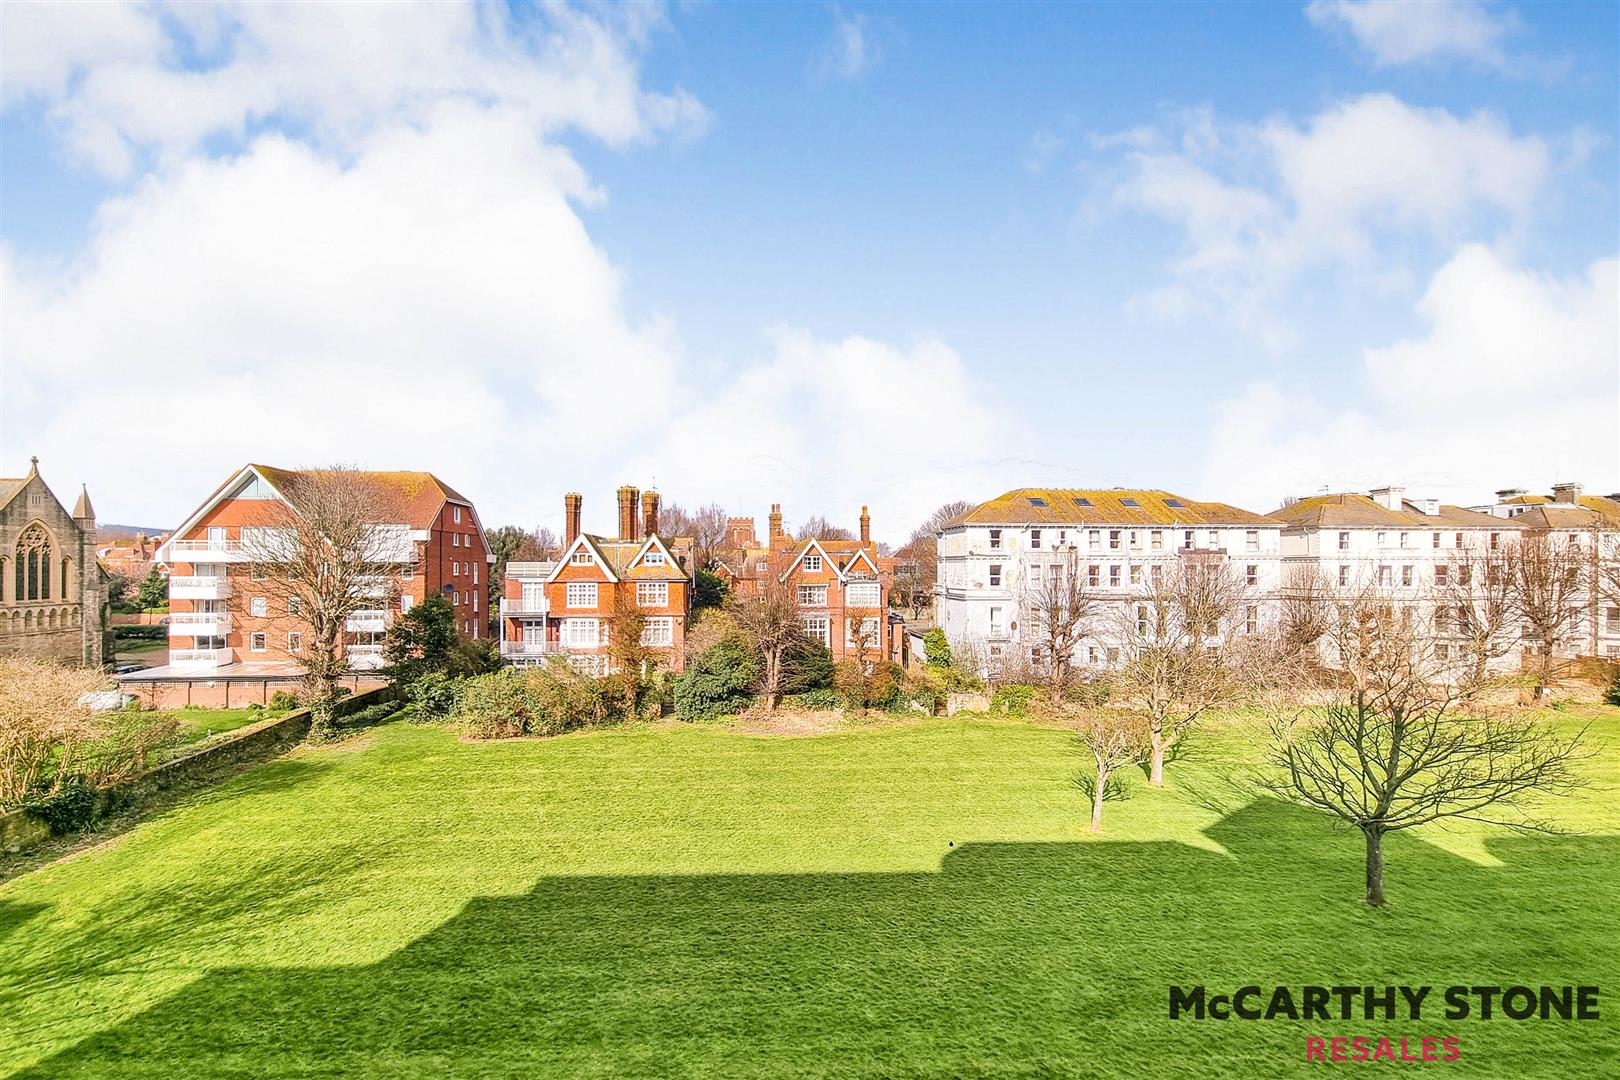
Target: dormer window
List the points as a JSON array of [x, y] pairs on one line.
[[653, 558], [812, 564], [582, 558]]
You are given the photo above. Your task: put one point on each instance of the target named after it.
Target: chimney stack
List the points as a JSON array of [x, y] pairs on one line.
[[1567, 493], [866, 528], [776, 536], [649, 514], [627, 513], [1504, 494], [571, 504], [1388, 497]]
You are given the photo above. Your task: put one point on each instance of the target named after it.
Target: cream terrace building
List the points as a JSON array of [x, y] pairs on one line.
[[1407, 552], [991, 561]]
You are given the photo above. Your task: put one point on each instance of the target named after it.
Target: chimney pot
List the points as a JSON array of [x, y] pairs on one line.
[[776, 536]]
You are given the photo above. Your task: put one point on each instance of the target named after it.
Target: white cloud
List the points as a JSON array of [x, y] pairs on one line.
[[826, 426], [1399, 32], [1259, 206], [404, 281], [853, 50], [114, 84], [1515, 382]]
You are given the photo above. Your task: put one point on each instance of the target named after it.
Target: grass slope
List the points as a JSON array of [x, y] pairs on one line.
[[909, 901]]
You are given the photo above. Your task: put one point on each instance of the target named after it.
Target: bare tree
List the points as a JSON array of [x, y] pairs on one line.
[[336, 547], [1057, 608], [819, 528], [1546, 575], [706, 526], [1393, 752], [937, 522], [1306, 609], [1473, 608], [768, 615], [1179, 661], [1115, 739], [45, 721]]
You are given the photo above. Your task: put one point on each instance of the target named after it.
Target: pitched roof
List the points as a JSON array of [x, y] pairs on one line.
[[9, 489], [418, 495], [619, 554], [1354, 509], [1551, 515], [1114, 506]]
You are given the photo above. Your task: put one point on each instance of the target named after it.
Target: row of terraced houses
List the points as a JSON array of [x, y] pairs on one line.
[[226, 622]]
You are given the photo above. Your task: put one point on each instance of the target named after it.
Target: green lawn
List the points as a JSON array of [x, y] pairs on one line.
[[198, 724], [912, 901]]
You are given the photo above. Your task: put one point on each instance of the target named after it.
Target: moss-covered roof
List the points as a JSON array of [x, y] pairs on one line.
[[1112, 506], [1354, 509]]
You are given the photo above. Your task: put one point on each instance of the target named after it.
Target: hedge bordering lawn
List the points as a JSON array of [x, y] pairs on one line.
[[23, 830]]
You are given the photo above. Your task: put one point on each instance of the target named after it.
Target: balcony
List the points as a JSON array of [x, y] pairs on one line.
[[199, 624], [530, 650], [364, 657], [200, 660], [199, 587], [511, 609], [207, 551], [378, 586], [374, 621]]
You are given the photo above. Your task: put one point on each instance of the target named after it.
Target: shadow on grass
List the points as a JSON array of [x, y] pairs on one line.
[[1015, 959]]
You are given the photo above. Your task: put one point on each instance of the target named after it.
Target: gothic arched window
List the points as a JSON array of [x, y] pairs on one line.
[[34, 564]]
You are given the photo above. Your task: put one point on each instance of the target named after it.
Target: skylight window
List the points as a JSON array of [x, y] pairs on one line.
[[1078, 501], [1033, 501], [1130, 502], [1174, 502]]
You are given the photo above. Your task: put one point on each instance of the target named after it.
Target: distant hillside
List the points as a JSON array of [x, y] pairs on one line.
[[109, 531]]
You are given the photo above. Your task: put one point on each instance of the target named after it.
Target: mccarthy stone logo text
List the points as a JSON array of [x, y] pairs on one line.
[[1386, 1003]]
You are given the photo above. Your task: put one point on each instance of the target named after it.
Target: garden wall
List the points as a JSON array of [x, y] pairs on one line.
[[20, 830]]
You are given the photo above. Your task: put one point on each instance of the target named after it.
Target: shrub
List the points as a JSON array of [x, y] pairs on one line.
[[717, 682], [807, 666], [74, 807], [1612, 695], [823, 700], [709, 590], [860, 689], [282, 701], [936, 648], [546, 700], [124, 746], [140, 633], [495, 706], [371, 714], [1014, 699], [434, 695]]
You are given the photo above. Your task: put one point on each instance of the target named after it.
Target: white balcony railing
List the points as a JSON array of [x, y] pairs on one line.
[[517, 650], [527, 606], [365, 657], [200, 659], [199, 624], [367, 622], [199, 587]]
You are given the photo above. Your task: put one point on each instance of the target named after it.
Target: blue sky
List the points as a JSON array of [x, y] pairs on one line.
[[820, 254]]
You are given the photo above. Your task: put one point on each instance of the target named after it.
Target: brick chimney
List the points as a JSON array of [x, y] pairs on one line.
[[649, 514], [571, 504], [776, 536], [1567, 493], [627, 513], [866, 528]]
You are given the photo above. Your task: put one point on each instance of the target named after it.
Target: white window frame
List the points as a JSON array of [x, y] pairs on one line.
[[581, 633], [259, 607], [585, 588], [812, 596], [652, 594], [455, 514], [295, 642], [812, 564], [258, 641], [582, 558], [818, 627], [867, 588], [658, 631]]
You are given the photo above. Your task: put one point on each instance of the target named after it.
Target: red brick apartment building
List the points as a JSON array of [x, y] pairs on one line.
[[842, 585], [224, 623], [566, 607]]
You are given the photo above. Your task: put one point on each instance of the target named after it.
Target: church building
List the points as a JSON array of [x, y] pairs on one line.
[[53, 597]]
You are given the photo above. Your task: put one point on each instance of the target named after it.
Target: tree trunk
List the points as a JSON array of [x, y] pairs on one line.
[[1156, 768], [1375, 866], [1097, 800]]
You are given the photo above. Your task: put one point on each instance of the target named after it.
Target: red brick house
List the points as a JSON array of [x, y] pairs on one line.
[[221, 622], [567, 607], [842, 585]]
